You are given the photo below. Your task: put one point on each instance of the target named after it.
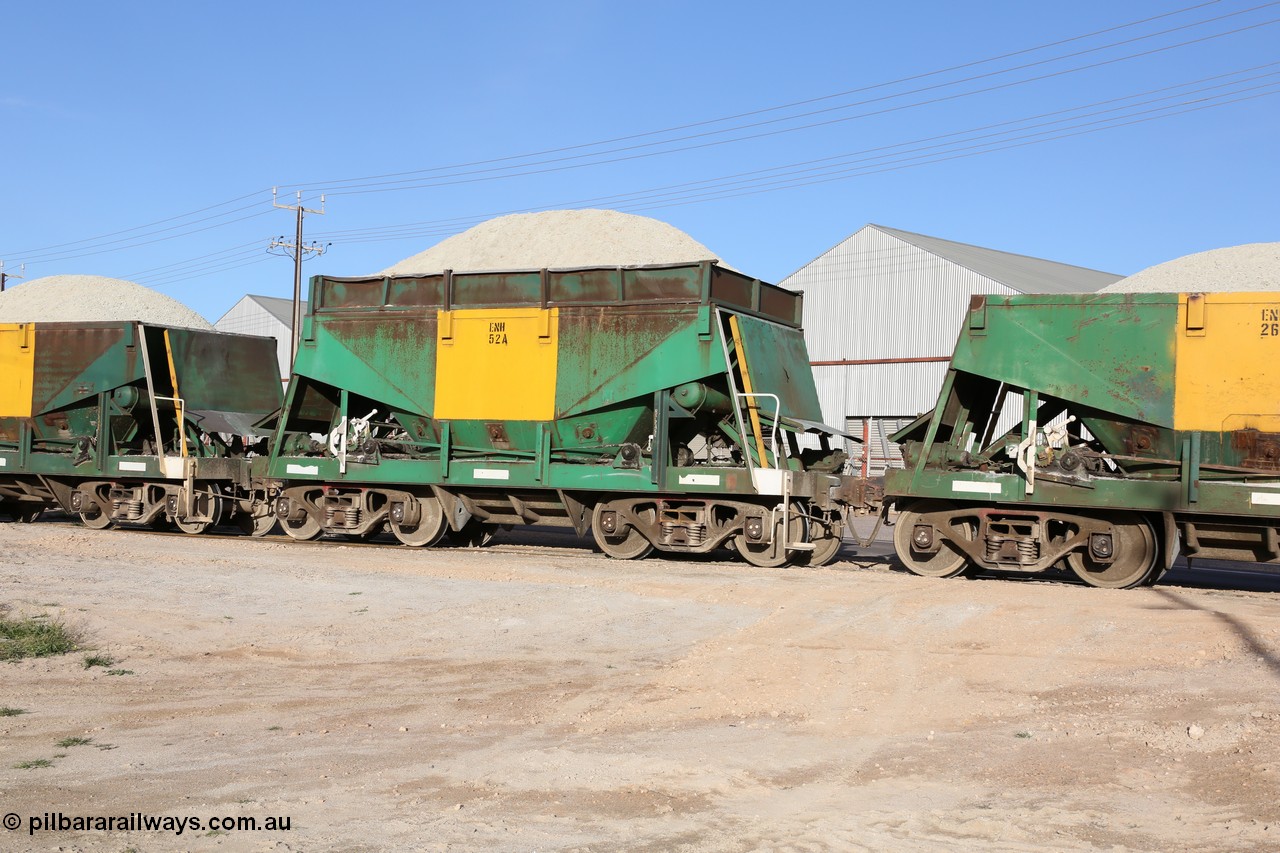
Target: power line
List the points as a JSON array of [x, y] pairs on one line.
[[453, 225], [42, 252], [148, 225], [765, 110], [185, 227], [333, 188], [462, 179], [733, 185]]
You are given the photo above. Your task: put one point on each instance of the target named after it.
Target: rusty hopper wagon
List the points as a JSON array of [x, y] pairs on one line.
[[124, 422], [653, 407], [1142, 424]]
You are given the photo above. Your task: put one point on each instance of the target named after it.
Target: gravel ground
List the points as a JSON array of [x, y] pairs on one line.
[[557, 239], [1254, 266], [88, 298], [534, 695]]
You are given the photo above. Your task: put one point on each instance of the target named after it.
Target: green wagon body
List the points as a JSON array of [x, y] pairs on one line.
[[537, 397], [90, 417], [1068, 426]]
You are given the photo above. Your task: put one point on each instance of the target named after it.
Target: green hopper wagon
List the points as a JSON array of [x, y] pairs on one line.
[[1107, 432], [655, 407], [130, 423]]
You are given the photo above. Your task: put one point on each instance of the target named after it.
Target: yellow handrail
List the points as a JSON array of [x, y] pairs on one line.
[[752, 408]]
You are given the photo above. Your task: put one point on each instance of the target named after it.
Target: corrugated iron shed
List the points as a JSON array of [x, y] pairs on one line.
[[882, 309]]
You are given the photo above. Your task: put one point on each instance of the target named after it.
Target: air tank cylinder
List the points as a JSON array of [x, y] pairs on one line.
[[697, 397]]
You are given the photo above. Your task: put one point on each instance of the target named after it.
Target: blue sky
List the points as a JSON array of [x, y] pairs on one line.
[[141, 141]]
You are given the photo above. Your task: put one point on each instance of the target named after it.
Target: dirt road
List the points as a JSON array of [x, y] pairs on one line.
[[537, 697]]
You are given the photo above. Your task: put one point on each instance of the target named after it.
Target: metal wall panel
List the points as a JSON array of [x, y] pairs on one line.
[[875, 296], [247, 317], [889, 390]]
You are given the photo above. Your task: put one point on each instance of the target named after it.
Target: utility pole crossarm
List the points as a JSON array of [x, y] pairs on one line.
[[5, 276], [296, 250]]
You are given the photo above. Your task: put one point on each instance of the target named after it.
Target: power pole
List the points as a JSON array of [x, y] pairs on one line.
[[296, 250], [5, 276]]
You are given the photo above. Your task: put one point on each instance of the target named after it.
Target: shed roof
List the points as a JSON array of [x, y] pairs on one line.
[[281, 309], [1019, 272]]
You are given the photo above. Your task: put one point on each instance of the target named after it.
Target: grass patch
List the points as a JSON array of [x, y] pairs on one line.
[[68, 742], [1023, 734], [35, 638], [119, 672], [34, 764], [275, 728], [6, 711], [98, 660]]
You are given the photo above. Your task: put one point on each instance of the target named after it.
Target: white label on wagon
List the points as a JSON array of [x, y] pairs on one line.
[[3, 462], [302, 469], [975, 487], [1265, 498], [133, 466], [699, 479], [491, 474]]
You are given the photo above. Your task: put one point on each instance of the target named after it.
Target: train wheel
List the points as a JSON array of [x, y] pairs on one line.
[[206, 503], [914, 538], [96, 521], [626, 544], [826, 539], [1134, 544], [772, 555], [256, 525], [429, 529], [304, 529], [474, 534]]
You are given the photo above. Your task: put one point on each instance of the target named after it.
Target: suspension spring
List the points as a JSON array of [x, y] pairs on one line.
[[346, 517], [127, 510]]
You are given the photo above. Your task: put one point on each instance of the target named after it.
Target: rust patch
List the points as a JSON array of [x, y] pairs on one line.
[[1259, 449], [1141, 439]]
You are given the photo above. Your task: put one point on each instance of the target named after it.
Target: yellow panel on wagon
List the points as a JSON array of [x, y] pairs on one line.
[[496, 364], [1228, 362], [17, 368]]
